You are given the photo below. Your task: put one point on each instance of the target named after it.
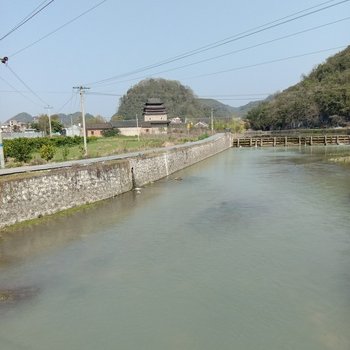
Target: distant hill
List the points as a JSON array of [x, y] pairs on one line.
[[220, 109], [321, 99], [73, 118], [65, 119], [22, 117], [179, 100]]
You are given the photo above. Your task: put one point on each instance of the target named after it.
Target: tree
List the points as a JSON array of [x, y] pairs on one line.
[[179, 100], [110, 132], [42, 124], [47, 152], [56, 125], [95, 120], [116, 117], [321, 99]]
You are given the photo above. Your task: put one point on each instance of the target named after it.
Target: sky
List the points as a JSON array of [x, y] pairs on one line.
[[233, 51]]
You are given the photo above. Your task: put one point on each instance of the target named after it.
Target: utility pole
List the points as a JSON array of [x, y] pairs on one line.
[[2, 158], [212, 122], [81, 92], [137, 126], [49, 115]]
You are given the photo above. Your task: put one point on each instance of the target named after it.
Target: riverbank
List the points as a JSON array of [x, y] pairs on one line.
[[345, 159], [61, 186]]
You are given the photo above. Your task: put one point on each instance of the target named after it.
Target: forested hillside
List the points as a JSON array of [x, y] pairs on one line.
[[178, 99], [321, 99]]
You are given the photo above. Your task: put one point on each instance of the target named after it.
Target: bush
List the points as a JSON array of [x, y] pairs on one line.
[[19, 149], [110, 132], [47, 152]]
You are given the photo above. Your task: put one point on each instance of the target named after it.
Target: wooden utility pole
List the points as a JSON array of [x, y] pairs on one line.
[[82, 107], [49, 115], [2, 158]]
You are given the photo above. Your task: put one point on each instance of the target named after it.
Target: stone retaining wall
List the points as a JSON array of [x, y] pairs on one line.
[[28, 196]]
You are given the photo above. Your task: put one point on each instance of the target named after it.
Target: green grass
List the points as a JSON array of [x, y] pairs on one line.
[[106, 146]]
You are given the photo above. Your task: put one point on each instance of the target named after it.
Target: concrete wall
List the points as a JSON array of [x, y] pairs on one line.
[[28, 196]]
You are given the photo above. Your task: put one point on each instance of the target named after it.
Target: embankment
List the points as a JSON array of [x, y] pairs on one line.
[[27, 196]]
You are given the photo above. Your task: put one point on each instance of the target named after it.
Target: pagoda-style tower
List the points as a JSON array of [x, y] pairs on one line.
[[154, 110], [155, 116]]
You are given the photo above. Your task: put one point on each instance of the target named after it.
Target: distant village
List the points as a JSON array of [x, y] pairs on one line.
[[155, 121]]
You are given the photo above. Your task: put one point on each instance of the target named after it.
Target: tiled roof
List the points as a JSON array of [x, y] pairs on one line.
[[99, 126]]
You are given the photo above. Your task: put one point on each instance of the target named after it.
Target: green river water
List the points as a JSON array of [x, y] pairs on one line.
[[247, 250]]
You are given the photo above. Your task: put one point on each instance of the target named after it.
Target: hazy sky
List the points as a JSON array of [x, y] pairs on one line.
[[119, 37]]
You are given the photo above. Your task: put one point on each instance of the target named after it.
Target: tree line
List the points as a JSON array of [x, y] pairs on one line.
[[321, 99]]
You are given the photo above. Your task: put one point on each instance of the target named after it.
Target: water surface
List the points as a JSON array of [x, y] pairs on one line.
[[249, 249]]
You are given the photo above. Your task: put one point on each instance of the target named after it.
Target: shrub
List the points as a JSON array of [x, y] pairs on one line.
[[19, 149], [47, 152], [110, 132]]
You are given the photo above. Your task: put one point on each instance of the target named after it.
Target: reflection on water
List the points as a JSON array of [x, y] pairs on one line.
[[251, 250]]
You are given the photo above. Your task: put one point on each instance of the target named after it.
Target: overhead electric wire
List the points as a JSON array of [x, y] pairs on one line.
[[102, 94], [65, 104], [36, 11], [267, 62], [18, 91], [26, 85], [59, 28], [243, 49], [228, 40]]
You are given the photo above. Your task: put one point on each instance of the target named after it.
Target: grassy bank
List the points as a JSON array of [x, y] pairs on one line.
[[106, 146]]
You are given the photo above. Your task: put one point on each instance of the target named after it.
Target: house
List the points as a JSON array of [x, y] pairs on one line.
[[97, 129], [14, 126], [127, 127], [175, 121], [201, 125], [74, 130], [155, 121]]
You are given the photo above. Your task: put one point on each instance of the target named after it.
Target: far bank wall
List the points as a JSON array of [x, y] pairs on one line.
[[29, 196]]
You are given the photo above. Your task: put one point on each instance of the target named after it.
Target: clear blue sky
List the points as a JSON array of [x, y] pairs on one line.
[[120, 36]]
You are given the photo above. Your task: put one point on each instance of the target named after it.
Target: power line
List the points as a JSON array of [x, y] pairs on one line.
[[59, 28], [65, 104], [26, 85], [245, 49], [228, 40], [103, 94], [36, 11], [268, 62], [18, 91]]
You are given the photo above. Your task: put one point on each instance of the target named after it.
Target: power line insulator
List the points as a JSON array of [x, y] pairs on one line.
[[4, 60]]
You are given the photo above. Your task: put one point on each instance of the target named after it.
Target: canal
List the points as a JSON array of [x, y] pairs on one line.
[[249, 249]]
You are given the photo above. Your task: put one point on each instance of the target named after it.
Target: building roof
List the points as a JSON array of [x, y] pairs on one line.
[[159, 122], [124, 123], [154, 106], [99, 126], [120, 124]]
